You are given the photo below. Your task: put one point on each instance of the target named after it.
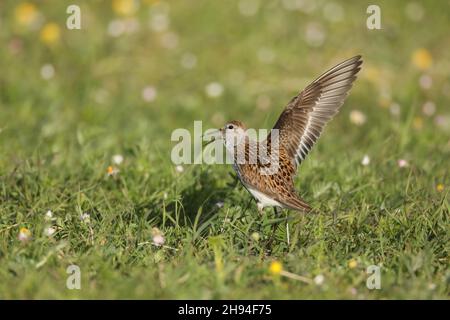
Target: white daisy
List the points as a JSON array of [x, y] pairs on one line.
[[48, 215], [47, 71], [357, 117], [429, 108], [149, 93], [248, 7], [365, 160], [214, 89], [117, 159], [425, 81], [220, 204], [319, 279], [49, 231], [188, 61], [85, 217]]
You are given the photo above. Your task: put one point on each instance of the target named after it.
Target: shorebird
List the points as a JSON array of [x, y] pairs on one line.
[[298, 128]]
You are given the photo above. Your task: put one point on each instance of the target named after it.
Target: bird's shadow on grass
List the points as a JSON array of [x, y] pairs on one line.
[[201, 201]]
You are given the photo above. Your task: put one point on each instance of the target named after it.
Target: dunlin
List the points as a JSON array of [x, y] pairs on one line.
[[298, 128]]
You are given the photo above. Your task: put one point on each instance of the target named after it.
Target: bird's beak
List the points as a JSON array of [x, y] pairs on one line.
[[212, 135], [205, 143]]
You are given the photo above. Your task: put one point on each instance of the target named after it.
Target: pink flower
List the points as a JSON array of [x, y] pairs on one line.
[[157, 237], [402, 163]]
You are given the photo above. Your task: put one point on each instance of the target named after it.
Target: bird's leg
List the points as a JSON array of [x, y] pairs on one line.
[[277, 213], [274, 227], [246, 208], [259, 222], [288, 237]]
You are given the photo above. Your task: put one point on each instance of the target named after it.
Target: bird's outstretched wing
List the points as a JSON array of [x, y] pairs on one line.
[[301, 122]]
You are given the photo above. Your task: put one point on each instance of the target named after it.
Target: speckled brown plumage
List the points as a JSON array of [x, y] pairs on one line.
[[279, 186], [299, 127]]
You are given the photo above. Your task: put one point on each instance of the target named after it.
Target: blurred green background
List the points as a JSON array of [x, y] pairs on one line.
[[137, 70], [260, 53]]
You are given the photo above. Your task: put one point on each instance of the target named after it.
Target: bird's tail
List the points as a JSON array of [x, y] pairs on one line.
[[294, 202]]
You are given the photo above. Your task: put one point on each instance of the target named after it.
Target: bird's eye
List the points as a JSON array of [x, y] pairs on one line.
[[230, 126]]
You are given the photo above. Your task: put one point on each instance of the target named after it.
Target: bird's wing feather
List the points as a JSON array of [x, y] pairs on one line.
[[302, 121]]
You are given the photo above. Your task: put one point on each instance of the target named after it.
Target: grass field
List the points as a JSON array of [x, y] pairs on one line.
[[70, 100]]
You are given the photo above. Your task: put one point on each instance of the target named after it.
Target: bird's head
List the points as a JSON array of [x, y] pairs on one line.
[[233, 127], [233, 133]]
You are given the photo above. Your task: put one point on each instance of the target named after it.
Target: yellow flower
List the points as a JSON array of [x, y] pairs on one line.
[[25, 231], [384, 102], [352, 264], [256, 236], [124, 7], [418, 123], [26, 13], [24, 234], [275, 267], [112, 171], [50, 33], [440, 187], [422, 59]]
